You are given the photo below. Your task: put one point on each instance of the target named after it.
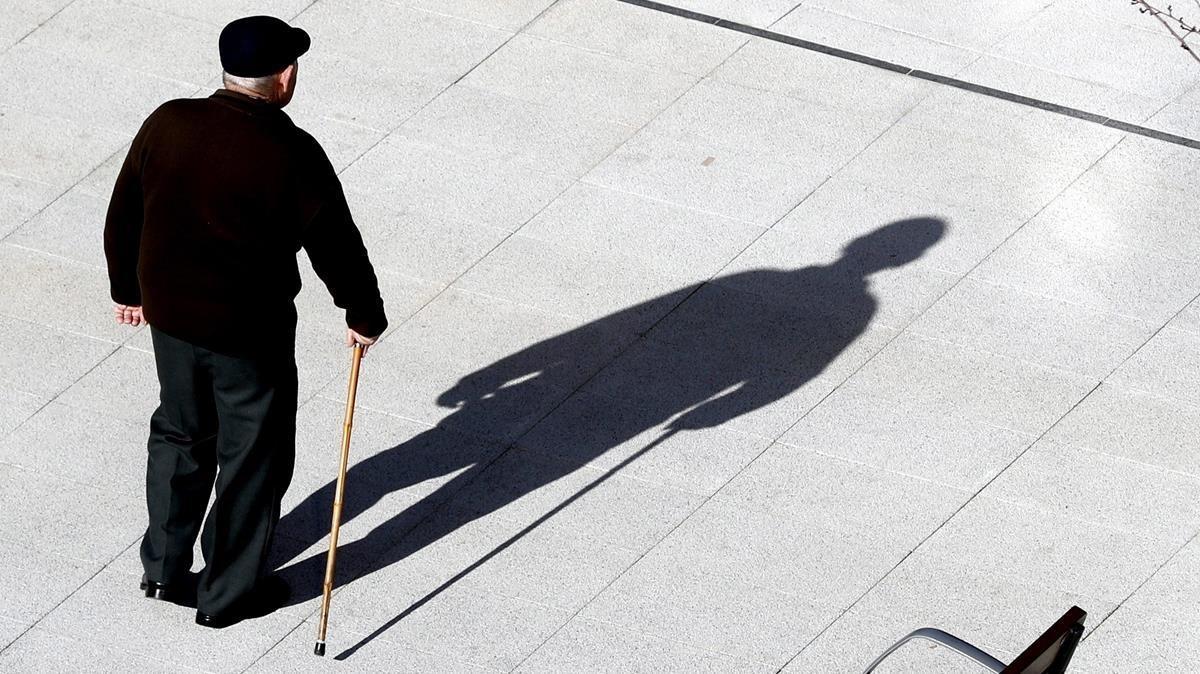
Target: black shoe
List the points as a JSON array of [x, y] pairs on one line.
[[182, 593], [217, 622], [270, 594]]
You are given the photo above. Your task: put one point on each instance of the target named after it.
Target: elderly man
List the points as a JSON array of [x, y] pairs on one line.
[[211, 206]]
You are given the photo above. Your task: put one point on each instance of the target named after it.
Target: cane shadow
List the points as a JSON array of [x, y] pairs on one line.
[[725, 349]]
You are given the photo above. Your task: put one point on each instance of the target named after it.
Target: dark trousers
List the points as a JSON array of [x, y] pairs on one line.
[[224, 420]]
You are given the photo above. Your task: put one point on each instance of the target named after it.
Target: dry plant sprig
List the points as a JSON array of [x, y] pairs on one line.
[[1175, 24]]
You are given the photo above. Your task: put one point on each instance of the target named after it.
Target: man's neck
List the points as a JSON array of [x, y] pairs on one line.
[[248, 92]]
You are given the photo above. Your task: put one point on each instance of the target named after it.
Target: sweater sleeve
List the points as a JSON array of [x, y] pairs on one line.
[[123, 229], [335, 248]]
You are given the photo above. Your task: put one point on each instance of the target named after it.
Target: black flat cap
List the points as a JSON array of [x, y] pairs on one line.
[[257, 46]]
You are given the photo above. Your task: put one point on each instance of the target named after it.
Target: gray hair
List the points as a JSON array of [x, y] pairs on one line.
[[260, 85]]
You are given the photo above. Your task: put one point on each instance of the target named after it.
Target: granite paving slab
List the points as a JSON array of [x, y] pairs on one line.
[[119, 97], [1166, 366], [1105, 490], [637, 34], [590, 645], [517, 133], [293, 654], [53, 514], [42, 650], [44, 361], [72, 227], [811, 76], [1039, 329], [59, 441], [10, 630], [1135, 425], [541, 71], [113, 33], [907, 437], [55, 576], [15, 407]]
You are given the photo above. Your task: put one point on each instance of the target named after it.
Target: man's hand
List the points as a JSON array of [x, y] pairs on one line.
[[127, 315], [353, 338]]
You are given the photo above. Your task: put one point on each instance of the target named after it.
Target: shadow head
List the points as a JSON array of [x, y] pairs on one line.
[[895, 244]]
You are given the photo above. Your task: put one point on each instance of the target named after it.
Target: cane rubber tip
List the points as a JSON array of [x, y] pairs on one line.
[[320, 648]]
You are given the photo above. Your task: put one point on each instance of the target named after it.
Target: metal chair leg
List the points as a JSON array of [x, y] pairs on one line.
[[949, 641]]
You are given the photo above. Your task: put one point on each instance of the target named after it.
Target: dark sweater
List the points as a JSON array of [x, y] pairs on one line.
[[211, 206]]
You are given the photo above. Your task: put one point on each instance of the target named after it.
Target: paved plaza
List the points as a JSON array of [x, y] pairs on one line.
[[713, 348]]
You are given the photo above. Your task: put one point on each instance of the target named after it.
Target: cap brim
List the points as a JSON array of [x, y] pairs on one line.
[[300, 42]]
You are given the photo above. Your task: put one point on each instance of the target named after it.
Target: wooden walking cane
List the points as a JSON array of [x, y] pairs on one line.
[[338, 495]]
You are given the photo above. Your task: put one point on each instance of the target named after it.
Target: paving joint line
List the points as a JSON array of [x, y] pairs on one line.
[[991, 353], [21, 318], [902, 31], [1141, 346], [62, 194], [255, 661], [742, 659], [307, 7], [39, 26], [90, 578], [659, 200], [583, 178], [954, 82], [55, 256], [1140, 586], [1016, 289], [448, 87], [1195, 477], [56, 396], [785, 15]]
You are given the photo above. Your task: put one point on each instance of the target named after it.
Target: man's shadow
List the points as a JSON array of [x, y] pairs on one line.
[[723, 349]]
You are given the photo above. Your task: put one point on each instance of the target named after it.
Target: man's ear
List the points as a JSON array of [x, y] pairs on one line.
[[288, 73]]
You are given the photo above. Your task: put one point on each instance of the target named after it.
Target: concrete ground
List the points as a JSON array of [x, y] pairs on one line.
[[711, 351]]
